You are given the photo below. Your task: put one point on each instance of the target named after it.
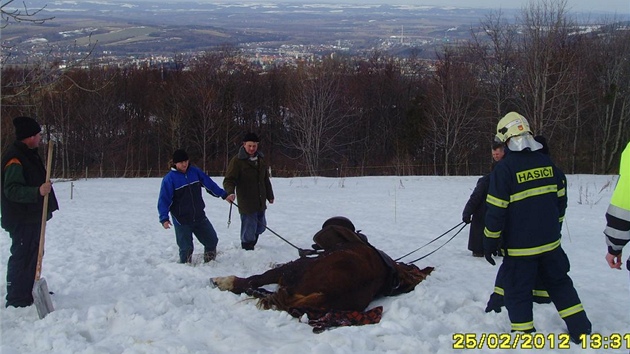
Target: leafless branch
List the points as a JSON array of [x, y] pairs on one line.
[[8, 14]]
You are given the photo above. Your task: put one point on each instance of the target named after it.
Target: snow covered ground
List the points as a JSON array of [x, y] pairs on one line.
[[119, 289]]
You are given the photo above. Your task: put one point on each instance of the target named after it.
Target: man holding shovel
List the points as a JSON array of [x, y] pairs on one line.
[[24, 186]]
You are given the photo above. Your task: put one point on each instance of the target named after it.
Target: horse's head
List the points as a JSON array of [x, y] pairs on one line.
[[409, 275]]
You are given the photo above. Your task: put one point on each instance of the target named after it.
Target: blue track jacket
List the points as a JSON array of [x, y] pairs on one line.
[[181, 195]]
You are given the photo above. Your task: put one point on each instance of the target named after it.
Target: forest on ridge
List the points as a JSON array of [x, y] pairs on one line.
[[343, 116]]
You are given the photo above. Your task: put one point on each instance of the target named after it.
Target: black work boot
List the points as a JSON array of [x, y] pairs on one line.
[[209, 256], [19, 303], [578, 324], [248, 246]]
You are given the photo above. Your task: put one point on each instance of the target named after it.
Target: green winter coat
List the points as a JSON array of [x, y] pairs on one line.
[[23, 172], [249, 180]]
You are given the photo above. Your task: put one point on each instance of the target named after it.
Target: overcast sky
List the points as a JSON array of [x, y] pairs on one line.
[[622, 6], [619, 6]]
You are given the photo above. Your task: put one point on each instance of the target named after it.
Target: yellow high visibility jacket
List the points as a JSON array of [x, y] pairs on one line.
[[618, 214], [621, 196]]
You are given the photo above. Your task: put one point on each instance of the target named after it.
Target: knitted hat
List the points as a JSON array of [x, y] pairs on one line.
[[25, 127], [179, 156], [251, 137]]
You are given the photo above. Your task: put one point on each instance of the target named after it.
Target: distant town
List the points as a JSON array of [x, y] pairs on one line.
[[117, 33], [164, 34]]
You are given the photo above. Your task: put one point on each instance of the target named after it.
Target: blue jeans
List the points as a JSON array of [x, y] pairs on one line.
[[252, 225], [205, 233]]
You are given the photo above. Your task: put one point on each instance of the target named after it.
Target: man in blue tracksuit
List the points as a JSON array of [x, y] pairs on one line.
[[526, 204], [180, 194]]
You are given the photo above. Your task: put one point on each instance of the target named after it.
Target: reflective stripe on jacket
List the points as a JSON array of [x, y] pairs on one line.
[[618, 214], [526, 203]]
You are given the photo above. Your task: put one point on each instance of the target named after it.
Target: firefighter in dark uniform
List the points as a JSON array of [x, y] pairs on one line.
[[541, 296], [526, 204]]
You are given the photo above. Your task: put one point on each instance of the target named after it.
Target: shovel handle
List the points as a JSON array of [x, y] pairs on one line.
[[40, 254]]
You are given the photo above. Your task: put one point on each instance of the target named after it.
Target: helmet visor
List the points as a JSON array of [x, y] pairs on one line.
[[522, 142]]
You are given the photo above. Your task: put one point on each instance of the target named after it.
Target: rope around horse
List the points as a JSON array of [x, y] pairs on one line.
[[430, 242], [449, 240], [397, 259], [273, 232]]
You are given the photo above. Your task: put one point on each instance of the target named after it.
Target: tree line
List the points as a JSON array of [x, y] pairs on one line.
[[343, 116]]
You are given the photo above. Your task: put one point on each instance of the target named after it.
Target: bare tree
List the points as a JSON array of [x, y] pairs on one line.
[[23, 14], [453, 109], [582, 99], [47, 67], [206, 119], [546, 57], [171, 116], [317, 117], [493, 50], [611, 80]]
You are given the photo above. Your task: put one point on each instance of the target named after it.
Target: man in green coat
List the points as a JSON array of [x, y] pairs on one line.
[[24, 186], [248, 176]]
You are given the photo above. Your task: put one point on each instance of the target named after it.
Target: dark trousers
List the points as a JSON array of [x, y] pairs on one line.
[[252, 225], [22, 264], [540, 293], [552, 268], [205, 233]]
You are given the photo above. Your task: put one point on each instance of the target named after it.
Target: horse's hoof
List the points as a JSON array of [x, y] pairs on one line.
[[223, 283]]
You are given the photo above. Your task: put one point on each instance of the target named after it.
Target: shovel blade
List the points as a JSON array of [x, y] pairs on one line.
[[41, 298]]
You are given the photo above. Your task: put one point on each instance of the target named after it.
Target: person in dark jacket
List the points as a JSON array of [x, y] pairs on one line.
[[527, 200], [247, 176], [180, 194], [24, 186], [475, 209]]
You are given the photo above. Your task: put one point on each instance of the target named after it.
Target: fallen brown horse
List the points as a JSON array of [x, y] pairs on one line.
[[335, 286]]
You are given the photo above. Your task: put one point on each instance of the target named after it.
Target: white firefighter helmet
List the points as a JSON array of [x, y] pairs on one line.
[[513, 130]]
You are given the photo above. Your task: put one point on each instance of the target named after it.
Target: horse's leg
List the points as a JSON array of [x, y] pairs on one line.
[[287, 273]]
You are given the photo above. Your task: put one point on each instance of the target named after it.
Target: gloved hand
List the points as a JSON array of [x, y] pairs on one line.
[[495, 303], [491, 248], [489, 258], [466, 219]]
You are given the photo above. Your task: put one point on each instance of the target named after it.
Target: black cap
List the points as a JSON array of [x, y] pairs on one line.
[[25, 127], [251, 137], [179, 156]]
